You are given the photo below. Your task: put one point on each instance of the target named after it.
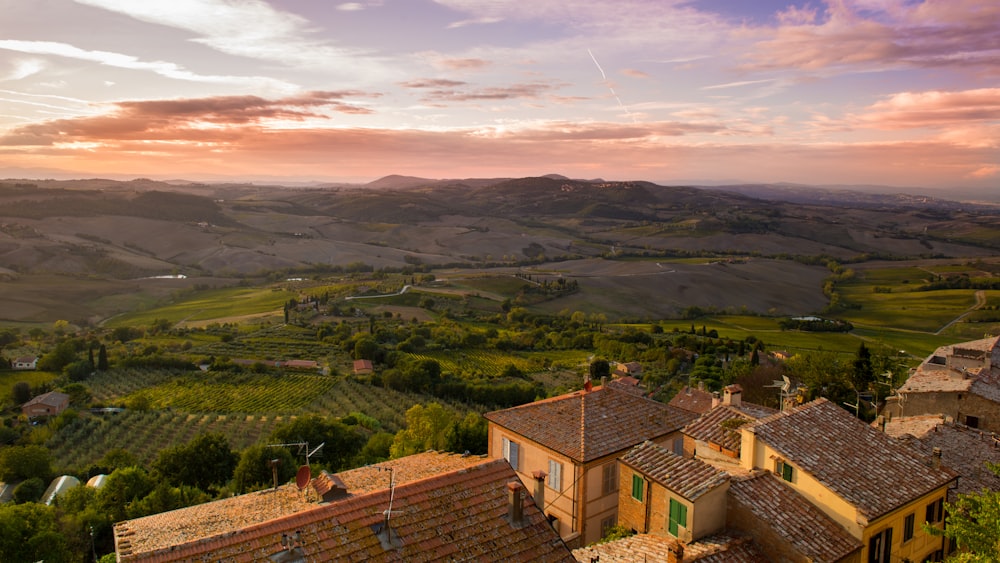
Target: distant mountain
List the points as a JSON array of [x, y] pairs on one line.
[[397, 182]]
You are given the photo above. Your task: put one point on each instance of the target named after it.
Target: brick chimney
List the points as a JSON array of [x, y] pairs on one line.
[[936, 458], [732, 395], [515, 503], [716, 401], [539, 495], [675, 552]]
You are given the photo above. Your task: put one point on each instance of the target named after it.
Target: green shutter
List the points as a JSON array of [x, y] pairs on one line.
[[637, 486], [678, 517], [786, 472]]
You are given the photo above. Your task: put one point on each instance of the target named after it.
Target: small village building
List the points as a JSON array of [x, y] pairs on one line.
[[24, 363], [47, 404], [569, 445], [669, 494], [719, 548], [693, 399], [961, 381], [878, 489], [363, 367], [715, 436]]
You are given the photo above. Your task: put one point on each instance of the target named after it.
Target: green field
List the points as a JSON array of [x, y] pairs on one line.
[[33, 378], [210, 305]]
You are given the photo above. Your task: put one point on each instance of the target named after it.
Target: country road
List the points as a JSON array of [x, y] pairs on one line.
[[980, 302]]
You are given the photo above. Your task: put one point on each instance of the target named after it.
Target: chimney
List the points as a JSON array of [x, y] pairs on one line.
[[701, 385], [515, 503], [716, 401], [539, 495], [936, 458], [880, 421], [274, 463], [587, 385], [604, 380], [675, 552], [733, 395]]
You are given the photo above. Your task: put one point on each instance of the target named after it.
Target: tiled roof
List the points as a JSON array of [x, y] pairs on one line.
[[719, 548], [225, 516], [691, 399], [455, 516], [863, 466], [792, 518], [687, 477], [934, 378], [931, 376], [51, 399], [720, 426], [588, 425], [964, 449], [628, 384]]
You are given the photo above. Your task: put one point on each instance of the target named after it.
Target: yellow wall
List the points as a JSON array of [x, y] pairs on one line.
[[922, 543]]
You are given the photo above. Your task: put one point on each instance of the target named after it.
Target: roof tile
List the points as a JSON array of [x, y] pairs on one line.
[[688, 477]]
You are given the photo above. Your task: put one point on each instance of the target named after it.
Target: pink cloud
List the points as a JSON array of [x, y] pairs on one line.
[[463, 64], [934, 109], [634, 73]]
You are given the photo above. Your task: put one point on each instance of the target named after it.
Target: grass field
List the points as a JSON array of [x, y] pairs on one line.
[[210, 305], [9, 378]]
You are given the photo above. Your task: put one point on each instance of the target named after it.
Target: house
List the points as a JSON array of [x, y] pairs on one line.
[[715, 436], [475, 510], [784, 524], [624, 369], [24, 363], [667, 493], [568, 447], [693, 399], [876, 488], [47, 404], [363, 367], [966, 450], [961, 381], [718, 548]]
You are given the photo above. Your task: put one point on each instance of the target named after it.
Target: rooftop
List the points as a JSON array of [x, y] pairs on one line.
[[461, 515], [964, 449], [719, 548], [721, 424], [792, 518], [588, 425], [51, 399], [193, 523], [692, 399], [831, 445], [953, 369], [688, 477]]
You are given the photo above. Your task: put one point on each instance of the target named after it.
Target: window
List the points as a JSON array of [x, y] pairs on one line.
[[782, 468], [678, 447], [972, 421], [555, 475], [607, 524], [678, 517], [880, 546], [609, 478], [935, 511], [637, 486], [908, 527], [510, 453]]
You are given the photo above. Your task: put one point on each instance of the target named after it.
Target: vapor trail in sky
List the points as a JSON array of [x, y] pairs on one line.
[[608, 84]]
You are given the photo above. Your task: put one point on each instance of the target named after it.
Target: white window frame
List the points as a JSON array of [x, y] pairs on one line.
[[511, 452], [554, 479]]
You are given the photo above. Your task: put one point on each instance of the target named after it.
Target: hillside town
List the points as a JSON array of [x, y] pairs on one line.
[[708, 477]]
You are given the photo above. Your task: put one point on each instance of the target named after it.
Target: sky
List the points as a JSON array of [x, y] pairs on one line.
[[837, 92]]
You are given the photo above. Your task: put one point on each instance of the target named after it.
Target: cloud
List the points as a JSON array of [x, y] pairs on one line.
[[21, 68], [737, 84], [463, 64], [934, 108], [249, 28], [120, 60], [523, 90], [476, 21], [987, 171], [879, 35], [350, 7], [432, 83], [182, 120], [634, 73]]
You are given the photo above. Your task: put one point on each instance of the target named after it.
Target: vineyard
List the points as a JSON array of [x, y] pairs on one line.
[[245, 408], [491, 364]]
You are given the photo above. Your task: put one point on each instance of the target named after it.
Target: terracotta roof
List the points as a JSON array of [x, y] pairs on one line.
[[792, 518], [861, 465], [964, 449], [194, 523], [457, 516], [721, 426], [588, 425], [720, 548], [51, 399], [933, 376], [691, 399], [688, 477]]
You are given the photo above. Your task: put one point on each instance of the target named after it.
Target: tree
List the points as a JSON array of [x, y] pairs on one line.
[[973, 521], [59, 357], [469, 435], [206, 461], [21, 392], [24, 462], [254, 468], [341, 442], [29, 532], [163, 497], [102, 358], [599, 368], [862, 375], [375, 450], [122, 487], [29, 490], [425, 430]]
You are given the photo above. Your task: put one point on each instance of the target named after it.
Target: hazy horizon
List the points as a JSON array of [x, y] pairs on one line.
[[901, 94]]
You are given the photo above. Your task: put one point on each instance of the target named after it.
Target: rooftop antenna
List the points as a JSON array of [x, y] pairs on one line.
[[303, 448], [386, 535], [785, 386]]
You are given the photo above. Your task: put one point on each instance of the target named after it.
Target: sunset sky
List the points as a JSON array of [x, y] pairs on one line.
[[890, 92]]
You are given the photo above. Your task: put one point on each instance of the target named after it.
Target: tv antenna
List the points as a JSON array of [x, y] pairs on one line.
[[303, 448], [386, 535], [785, 386]]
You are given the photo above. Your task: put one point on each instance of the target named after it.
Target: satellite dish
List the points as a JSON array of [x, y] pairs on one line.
[[302, 477]]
